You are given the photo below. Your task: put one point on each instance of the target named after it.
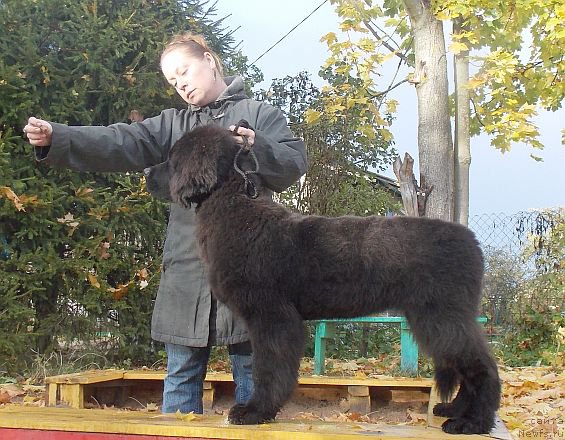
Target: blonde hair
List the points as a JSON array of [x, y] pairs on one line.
[[194, 45]]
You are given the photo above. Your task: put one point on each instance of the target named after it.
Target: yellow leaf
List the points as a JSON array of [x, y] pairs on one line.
[[330, 38], [391, 105], [30, 399], [93, 280], [475, 82], [360, 375], [457, 47], [312, 116], [443, 15], [186, 417], [11, 195]]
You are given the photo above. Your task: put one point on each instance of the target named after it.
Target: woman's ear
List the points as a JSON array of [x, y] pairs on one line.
[[211, 61]]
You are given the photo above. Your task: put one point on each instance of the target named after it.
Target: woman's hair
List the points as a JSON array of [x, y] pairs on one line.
[[194, 45]]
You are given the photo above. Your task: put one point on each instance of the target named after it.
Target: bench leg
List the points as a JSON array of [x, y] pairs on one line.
[[408, 350], [320, 348], [324, 331]]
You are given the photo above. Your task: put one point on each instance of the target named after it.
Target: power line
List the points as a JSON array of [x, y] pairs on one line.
[[288, 33]]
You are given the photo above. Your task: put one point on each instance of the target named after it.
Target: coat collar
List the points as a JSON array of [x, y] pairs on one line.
[[234, 91]]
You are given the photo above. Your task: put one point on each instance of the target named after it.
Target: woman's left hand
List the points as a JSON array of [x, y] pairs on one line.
[[246, 133]]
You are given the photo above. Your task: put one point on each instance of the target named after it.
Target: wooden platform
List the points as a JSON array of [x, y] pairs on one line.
[[114, 387], [27, 423], [110, 387]]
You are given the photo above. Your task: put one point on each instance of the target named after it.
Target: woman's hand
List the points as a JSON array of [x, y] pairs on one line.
[[246, 133], [38, 132]]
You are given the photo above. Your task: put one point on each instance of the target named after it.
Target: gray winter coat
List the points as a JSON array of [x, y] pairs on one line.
[[184, 311]]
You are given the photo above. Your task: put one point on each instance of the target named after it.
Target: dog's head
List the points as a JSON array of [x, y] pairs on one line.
[[199, 162]]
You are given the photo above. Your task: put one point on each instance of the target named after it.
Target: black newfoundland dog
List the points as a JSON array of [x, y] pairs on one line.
[[276, 268]]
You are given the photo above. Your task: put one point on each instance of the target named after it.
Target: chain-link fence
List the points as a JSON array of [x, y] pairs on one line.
[[516, 258]]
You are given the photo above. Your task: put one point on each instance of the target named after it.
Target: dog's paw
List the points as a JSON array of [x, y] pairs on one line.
[[248, 415], [464, 425], [445, 410]]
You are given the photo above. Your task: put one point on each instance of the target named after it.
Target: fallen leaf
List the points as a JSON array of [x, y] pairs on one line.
[[4, 397], [186, 417], [93, 280], [416, 418], [119, 291], [12, 389], [103, 250], [143, 273], [152, 407], [11, 195]]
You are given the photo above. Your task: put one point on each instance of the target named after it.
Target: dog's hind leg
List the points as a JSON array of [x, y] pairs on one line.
[[277, 337], [461, 356], [479, 394]]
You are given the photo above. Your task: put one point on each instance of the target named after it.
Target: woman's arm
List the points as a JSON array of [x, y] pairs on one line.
[[282, 155], [117, 147]]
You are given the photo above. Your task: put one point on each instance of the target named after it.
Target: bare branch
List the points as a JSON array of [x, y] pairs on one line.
[[385, 44]]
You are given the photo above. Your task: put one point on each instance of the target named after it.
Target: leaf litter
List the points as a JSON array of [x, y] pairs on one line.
[[533, 401]]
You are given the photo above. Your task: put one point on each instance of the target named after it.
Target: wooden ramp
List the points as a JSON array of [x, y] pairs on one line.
[[27, 423]]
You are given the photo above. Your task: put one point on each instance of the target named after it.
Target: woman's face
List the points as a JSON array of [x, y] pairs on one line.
[[192, 78]]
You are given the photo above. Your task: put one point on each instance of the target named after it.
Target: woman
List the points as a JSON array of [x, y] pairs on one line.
[[186, 317]]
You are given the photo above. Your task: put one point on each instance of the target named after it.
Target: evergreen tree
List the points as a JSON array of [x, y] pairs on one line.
[[80, 253]]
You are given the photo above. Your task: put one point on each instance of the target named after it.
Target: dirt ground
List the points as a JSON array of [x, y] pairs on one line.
[[307, 408]]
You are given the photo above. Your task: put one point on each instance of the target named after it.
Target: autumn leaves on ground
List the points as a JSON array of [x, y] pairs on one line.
[[533, 403]]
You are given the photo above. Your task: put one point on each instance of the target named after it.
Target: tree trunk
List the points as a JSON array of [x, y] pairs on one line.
[[435, 144], [462, 149]]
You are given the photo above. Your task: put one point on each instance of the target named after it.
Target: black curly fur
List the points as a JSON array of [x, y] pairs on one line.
[[276, 268]]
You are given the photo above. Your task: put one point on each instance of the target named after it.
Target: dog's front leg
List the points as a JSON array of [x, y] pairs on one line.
[[277, 337]]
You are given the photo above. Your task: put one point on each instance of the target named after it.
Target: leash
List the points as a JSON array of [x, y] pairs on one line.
[[250, 186]]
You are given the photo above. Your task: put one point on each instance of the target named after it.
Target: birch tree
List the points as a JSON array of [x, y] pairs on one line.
[[515, 49]]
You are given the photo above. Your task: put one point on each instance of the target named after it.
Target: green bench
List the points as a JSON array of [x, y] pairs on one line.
[[325, 329]]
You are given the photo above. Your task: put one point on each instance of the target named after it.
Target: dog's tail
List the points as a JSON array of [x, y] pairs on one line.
[[447, 380]]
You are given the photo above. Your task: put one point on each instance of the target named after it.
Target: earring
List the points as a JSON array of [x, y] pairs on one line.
[[214, 74]]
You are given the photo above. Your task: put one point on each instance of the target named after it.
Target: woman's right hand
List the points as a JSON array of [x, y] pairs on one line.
[[38, 132]]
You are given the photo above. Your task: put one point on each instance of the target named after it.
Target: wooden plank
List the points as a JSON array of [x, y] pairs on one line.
[[358, 390], [137, 423], [51, 399], [87, 377], [93, 377], [72, 395], [384, 381], [34, 434], [144, 375]]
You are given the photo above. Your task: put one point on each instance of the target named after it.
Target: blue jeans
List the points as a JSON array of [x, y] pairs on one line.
[[186, 370]]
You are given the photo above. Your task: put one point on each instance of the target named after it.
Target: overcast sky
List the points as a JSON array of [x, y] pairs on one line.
[[507, 183]]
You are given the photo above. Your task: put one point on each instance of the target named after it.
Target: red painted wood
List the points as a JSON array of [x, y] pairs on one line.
[[37, 434]]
